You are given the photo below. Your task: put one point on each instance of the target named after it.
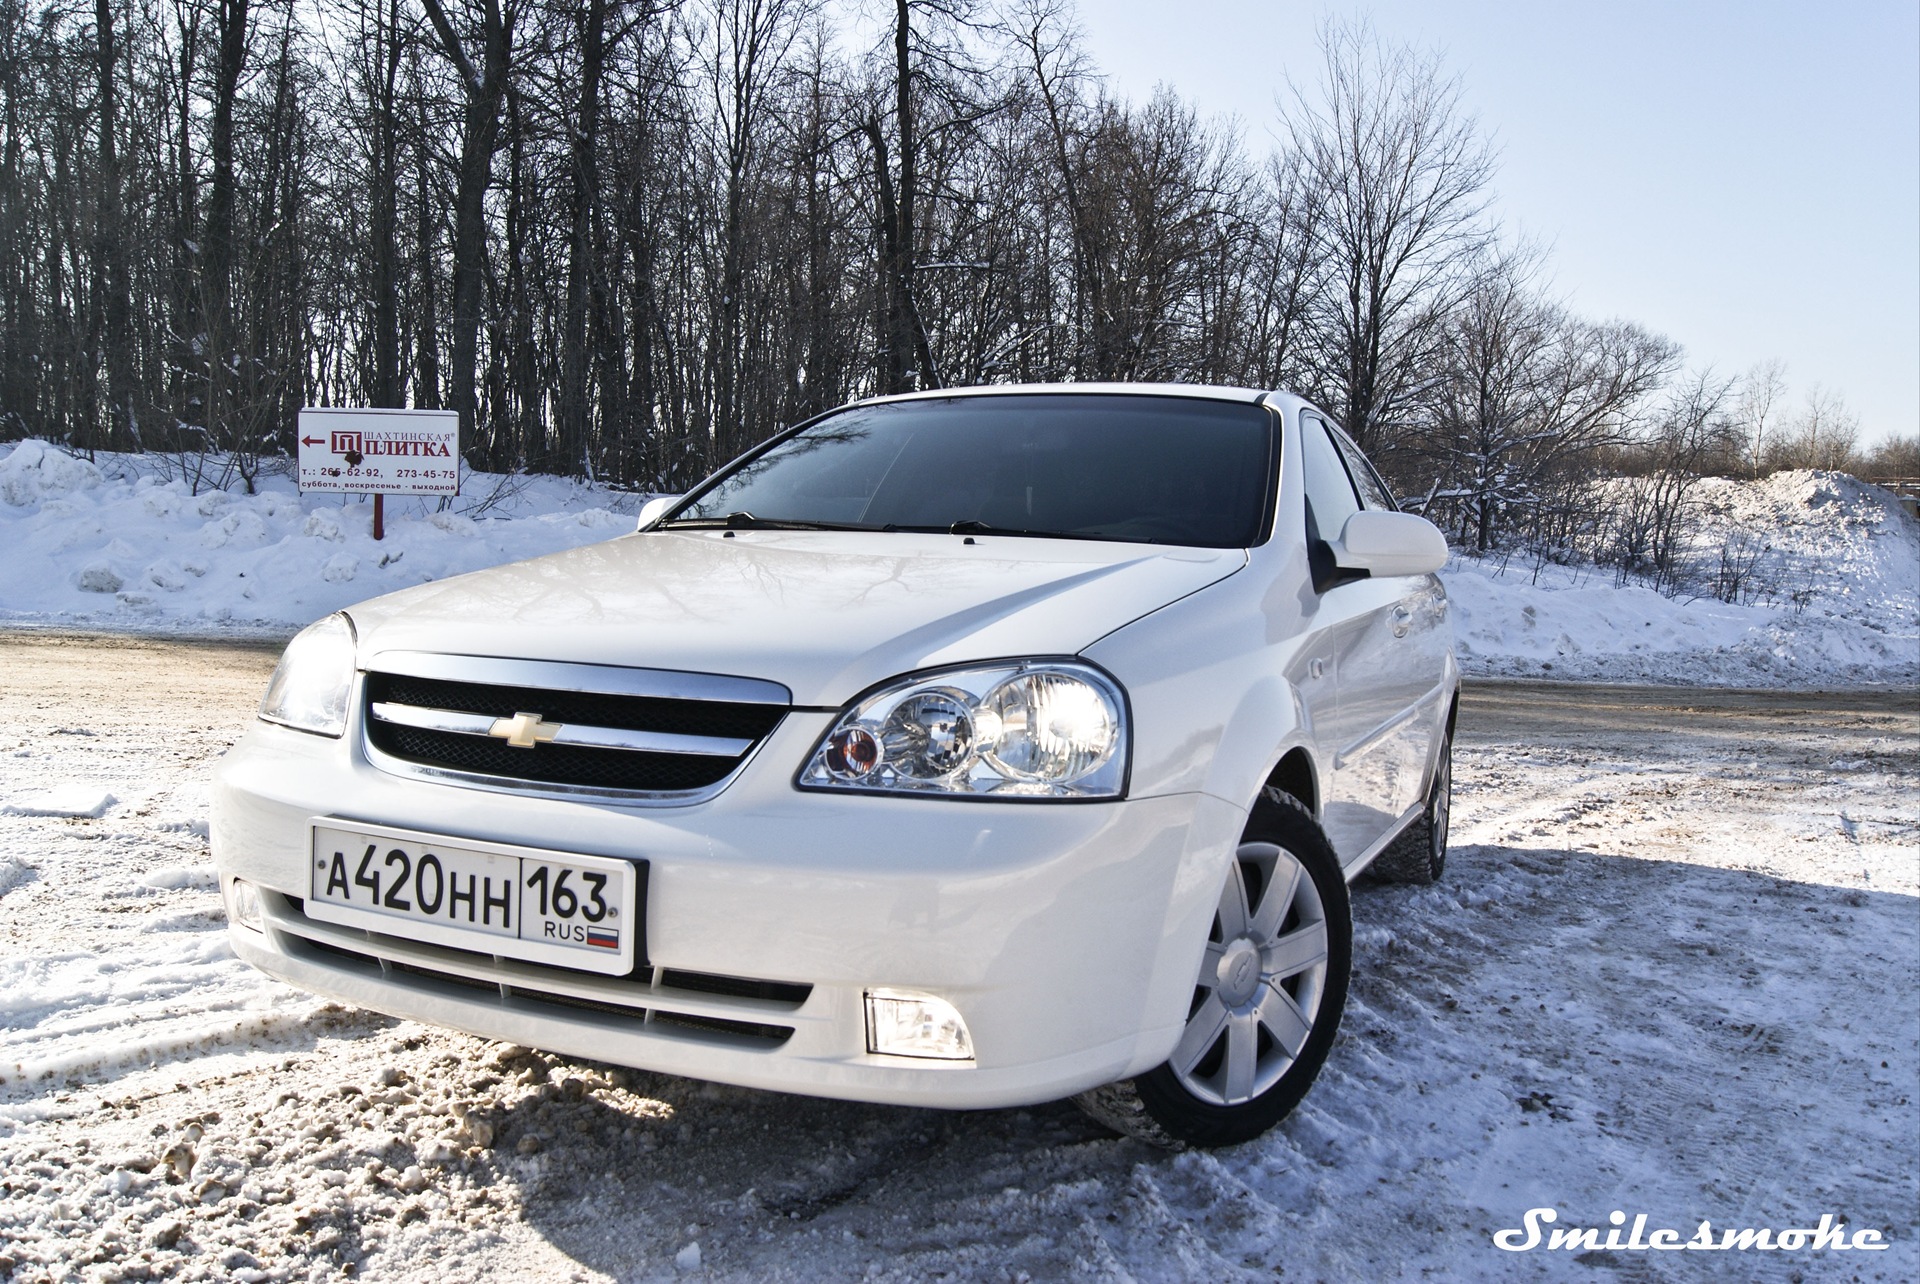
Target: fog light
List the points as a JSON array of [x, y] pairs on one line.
[[244, 907], [902, 1024]]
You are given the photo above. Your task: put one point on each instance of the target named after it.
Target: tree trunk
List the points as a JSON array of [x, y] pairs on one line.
[[912, 329], [484, 92], [113, 304], [384, 217], [583, 277], [217, 253], [187, 392], [518, 362], [426, 270], [906, 359], [18, 346]]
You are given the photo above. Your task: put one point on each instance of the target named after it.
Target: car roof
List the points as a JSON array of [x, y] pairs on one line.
[[1211, 392]]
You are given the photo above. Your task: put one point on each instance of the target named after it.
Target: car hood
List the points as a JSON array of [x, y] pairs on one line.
[[826, 614]]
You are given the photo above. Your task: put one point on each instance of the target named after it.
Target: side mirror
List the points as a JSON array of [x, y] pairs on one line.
[[654, 509], [1384, 544]]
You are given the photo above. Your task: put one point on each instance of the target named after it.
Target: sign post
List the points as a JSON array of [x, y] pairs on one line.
[[386, 452]]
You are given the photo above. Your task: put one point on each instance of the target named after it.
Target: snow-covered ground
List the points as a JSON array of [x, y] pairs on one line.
[[1670, 971], [1832, 598], [1828, 594]]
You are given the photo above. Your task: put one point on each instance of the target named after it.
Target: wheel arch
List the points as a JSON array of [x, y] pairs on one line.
[[1263, 745], [1266, 740], [1296, 774]]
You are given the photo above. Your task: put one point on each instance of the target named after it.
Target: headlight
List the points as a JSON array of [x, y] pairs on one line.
[[312, 683], [1025, 729]]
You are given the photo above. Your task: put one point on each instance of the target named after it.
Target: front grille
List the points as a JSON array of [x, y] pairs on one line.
[[633, 713], [721, 1025], [472, 753], [434, 974], [551, 764], [739, 987], [760, 1032]]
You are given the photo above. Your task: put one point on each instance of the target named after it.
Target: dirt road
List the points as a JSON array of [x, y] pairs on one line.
[[1670, 972]]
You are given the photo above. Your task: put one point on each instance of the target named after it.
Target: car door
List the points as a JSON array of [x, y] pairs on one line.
[[1393, 685], [1361, 790]]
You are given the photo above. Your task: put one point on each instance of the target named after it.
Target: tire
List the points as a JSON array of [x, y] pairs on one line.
[[1267, 1002], [1419, 854]]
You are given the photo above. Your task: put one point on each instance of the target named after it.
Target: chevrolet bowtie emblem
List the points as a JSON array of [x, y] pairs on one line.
[[523, 730]]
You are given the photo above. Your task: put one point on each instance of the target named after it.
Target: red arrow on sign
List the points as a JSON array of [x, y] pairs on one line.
[[313, 441]]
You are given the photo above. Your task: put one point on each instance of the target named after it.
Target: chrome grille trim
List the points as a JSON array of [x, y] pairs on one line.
[[595, 679], [475, 724]]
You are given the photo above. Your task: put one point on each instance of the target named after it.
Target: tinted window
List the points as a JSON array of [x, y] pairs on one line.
[[1169, 470], [1330, 497]]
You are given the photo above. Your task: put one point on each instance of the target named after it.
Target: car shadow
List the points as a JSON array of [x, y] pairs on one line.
[[1666, 1014]]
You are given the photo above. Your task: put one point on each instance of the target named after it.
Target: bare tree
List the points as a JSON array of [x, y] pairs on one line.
[[232, 35], [743, 59], [906, 360], [110, 330], [1402, 177], [1652, 514], [383, 53], [1525, 396], [1284, 263], [1895, 459], [632, 237], [1821, 434], [598, 28], [483, 84], [1758, 411]]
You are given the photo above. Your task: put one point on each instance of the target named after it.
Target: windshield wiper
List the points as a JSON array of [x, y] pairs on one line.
[[745, 521], [973, 526]]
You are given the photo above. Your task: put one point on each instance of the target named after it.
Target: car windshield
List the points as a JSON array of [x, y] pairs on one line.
[[1140, 468]]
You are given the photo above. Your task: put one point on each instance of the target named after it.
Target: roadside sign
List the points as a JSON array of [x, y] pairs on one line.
[[396, 452]]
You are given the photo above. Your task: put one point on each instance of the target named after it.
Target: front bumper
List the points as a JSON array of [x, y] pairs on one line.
[[1067, 935]]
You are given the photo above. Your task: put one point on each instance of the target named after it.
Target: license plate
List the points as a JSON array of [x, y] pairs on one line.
[[516, 902]]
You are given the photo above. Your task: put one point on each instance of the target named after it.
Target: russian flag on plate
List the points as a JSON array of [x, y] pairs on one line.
[[606, 938]]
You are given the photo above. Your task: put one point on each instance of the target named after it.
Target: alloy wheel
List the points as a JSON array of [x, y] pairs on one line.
[[1261, 980], [1440, 806]]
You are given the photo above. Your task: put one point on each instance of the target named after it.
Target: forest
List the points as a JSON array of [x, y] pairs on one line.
[[628, 239]]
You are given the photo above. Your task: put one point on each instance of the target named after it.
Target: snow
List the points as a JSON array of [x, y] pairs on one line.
[[1670, 971], [1831, 598], [73, 801], [117, 545], [1832, 595]]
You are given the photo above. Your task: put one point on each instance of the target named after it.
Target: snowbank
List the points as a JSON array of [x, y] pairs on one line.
[[1830, 569], [117, 545], [1829, 595]]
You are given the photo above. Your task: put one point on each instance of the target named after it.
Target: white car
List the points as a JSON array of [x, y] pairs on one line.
[[971, 748]]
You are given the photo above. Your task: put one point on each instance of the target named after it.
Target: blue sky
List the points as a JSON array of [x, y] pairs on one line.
[[1742, 177]]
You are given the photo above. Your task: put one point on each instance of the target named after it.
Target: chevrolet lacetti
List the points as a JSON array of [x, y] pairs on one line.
[[971, 748]]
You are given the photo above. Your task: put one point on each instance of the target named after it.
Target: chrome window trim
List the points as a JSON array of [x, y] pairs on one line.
[[588, 737], [591, 679]]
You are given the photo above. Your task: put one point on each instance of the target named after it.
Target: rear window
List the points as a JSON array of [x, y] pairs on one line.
[[1151, 469]]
